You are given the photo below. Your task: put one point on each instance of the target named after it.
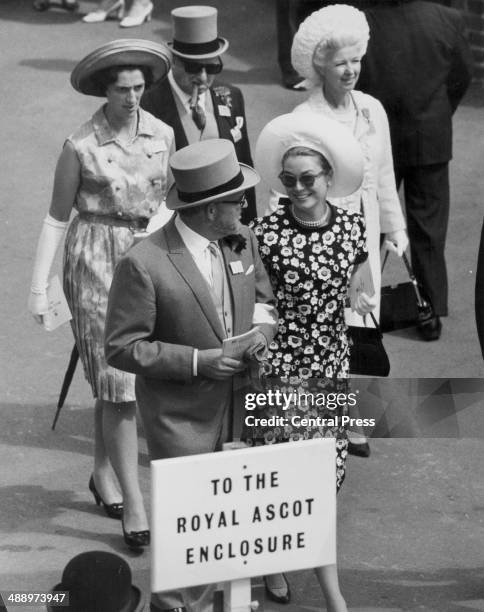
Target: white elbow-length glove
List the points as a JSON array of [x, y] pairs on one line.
[[50, 237]]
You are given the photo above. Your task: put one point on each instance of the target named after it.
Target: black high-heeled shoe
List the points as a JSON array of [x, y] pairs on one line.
[[136, 539], [114, 511]]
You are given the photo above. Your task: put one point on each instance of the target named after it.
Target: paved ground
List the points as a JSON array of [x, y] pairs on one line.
[[410, 518]]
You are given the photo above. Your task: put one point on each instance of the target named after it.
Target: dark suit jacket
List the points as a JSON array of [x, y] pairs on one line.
[[160, 309], [159, 101], [418, 65]]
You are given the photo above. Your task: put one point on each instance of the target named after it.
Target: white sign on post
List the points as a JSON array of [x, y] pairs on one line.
[[225, 516]]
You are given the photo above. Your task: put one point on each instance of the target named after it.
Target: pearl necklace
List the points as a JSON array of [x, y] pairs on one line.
[[312, 224]]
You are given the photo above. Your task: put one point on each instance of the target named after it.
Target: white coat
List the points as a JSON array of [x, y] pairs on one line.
[[378, 193]]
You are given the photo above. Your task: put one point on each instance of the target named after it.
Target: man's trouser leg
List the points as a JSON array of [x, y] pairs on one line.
[[427, 205]]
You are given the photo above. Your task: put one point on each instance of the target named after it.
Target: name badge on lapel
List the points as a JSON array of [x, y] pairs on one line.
[[236, 267], [223, 110]]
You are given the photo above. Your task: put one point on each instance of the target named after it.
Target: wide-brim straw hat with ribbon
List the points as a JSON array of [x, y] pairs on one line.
[[319, 133], [207, 171], [195, 34], [99, 580], [121, 52]]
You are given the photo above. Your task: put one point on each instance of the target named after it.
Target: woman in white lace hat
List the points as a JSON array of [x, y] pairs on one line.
[[327, 50]]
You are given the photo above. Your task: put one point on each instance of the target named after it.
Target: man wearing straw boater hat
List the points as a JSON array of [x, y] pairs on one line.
[[189, 101], [174, 298]]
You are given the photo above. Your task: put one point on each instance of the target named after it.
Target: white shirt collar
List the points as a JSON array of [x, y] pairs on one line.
[[182, 95], [194, 242]]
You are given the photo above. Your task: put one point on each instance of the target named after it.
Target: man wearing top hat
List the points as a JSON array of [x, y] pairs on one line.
[[189, 101], [175, 297]]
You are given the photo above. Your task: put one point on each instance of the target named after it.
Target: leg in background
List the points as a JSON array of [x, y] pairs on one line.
[[103, 473], [328, 581], [427, 205], [121, 439], [287, 24]]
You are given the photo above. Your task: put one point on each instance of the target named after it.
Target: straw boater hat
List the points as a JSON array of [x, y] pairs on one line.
[[122, 52], [98, 580], [195, 33], [207, 171], [312, 130]]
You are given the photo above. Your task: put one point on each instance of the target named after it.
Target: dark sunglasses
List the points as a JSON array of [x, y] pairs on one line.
[[196, 67], [307, 180]]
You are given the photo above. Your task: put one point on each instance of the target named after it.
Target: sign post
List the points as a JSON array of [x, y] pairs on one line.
[[223, 517]]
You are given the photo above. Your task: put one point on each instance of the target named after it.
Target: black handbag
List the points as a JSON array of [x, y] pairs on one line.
[[368, 356], [405, 304]]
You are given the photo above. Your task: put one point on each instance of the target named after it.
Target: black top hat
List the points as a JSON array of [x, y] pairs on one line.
[[99, 581]]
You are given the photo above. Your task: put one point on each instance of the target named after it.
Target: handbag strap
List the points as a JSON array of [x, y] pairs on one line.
[[375, 322], [421, 302]]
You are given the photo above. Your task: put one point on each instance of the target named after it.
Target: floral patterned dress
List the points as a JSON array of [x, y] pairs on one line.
[[122, 186], [310, 269]]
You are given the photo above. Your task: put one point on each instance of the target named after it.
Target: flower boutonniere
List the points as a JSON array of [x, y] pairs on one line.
[[236, 242], [366, 114], [223, 93]]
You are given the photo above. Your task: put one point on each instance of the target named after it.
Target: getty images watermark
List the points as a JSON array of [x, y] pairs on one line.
[[300, 409]]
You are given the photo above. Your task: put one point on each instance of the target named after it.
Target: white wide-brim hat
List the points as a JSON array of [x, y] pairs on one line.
[[315, 131], [121, 52], [195, 33], [207, 171]]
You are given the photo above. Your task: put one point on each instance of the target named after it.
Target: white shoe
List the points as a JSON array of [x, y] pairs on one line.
[[137, 20], [116, 10]]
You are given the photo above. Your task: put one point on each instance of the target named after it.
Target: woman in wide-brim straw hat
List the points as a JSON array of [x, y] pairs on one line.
[[311, 250], [113, 171], [327, 50]]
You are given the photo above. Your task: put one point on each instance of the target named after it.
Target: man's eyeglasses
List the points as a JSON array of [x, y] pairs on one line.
[[307, 180], [196, 67], [242, 202]]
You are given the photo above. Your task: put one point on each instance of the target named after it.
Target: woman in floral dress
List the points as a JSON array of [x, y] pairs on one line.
[[113, 171], [311, 250]]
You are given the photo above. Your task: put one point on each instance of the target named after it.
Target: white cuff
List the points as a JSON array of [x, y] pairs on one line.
[[195, 362], [50, 237]]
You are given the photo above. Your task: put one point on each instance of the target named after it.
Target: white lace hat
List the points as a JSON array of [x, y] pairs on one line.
[[337, 22]]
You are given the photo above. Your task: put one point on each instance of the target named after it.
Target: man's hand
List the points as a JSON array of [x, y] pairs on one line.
[[258, 350], [213, 364]]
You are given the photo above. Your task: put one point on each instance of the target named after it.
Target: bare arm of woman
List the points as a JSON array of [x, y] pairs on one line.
[[66, 184]]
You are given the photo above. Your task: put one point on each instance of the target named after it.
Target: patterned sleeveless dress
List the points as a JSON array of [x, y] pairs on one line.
[[122, 186]]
